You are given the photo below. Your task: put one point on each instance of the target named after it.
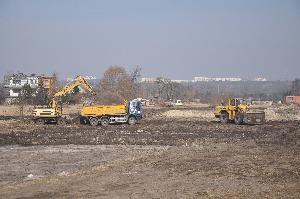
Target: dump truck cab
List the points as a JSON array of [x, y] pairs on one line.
[[135, 108], [239, 111]]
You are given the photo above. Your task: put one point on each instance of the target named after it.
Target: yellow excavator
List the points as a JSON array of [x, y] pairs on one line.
[[238, 111], [53, 112]]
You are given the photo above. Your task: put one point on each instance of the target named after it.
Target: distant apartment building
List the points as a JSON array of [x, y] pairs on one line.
[[47, 82], [204, 79], [260, 79], [87, 77], [217, 79], [155, 79], [181, 81], [15, 82], [148, 79], [292, 99]]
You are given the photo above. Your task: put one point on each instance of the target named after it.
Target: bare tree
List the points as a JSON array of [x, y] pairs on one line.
[[54, 86], [188, 92], [2, 93], [116, 86], [167, 89], [136, 74], [136, 80], [25, 97], [296, 87], [26, 94], [42, 96]]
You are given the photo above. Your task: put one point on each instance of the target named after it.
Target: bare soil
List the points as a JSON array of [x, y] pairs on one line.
[[161, 157]]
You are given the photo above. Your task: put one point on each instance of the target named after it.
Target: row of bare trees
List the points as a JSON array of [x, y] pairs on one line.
[[214, 92], [169, 90], [117, 85]]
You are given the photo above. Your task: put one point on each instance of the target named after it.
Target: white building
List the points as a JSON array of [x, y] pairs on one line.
[[181, 81], [149, 79], [87, 77], [260, 79], [15, 82], [217, 79]]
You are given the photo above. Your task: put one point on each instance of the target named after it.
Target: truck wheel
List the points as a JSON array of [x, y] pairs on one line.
[[238, 119], [224, 118], [131, 120], [93, 121], [40, 121], [61, 121], [82, 120], [105, 121]]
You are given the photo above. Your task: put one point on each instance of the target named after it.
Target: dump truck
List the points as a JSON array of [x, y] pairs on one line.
[[239, 111], [53, 112], [128, 112]]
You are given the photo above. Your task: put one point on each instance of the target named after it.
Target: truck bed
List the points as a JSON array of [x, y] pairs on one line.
[[104, 110]]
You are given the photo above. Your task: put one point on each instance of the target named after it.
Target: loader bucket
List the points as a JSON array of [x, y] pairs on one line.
[[255, 118]]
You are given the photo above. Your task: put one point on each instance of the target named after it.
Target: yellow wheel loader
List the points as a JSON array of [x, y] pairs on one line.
[[238, 111], [53, 112]]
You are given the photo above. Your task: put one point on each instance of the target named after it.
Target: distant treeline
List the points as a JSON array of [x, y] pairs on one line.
[[216, 91], [117, 85]]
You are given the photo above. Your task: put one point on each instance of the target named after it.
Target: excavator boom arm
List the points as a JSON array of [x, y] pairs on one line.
[[69, 88]]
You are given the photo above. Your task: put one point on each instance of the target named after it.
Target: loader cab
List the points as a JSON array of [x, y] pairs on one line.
[[237, 101]]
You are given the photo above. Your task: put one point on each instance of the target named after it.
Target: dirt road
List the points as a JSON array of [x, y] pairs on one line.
[[158, 158]]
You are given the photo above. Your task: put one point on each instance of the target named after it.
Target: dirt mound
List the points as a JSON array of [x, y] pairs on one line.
[[191, 114], [283, 113]]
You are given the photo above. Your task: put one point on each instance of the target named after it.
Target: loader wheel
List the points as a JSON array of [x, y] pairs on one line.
[[61, 121], [131, 120], [39, 121], [105, 121], [93, 121], [238, 119], [224, 118]]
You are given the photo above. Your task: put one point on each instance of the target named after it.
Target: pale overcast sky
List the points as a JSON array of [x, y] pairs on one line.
[[178, 39]]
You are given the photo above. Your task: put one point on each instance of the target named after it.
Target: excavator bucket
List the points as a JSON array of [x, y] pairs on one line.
[[255, 118]]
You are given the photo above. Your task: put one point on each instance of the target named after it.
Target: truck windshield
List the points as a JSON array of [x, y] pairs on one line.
[[138, 106], [242, 101]]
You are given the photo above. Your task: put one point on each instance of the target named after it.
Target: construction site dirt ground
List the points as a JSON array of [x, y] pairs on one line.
[[172, 153]]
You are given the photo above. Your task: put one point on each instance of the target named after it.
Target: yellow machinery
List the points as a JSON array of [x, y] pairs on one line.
[[53, 113], [104, 110], [238, 110], [129, 112]]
